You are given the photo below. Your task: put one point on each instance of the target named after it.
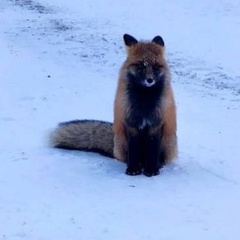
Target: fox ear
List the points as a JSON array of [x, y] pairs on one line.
[[129, 40], [158, 40]]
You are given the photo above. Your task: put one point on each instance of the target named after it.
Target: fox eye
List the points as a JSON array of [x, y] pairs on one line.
[[156, 67], [141, 67]]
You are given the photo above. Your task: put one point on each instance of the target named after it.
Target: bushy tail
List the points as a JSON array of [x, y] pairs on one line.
[[85, 135]]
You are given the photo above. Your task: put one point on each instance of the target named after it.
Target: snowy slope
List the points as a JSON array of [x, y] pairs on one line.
[[59, 61]]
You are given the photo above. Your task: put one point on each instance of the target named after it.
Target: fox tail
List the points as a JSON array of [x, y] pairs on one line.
[[85, 135]]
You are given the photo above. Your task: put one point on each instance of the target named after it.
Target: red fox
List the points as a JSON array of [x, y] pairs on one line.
[[143, 134]]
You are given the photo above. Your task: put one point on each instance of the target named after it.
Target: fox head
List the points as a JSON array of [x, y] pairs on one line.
[[145, 65]]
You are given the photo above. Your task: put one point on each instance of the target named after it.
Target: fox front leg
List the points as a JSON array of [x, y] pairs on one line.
[[152, 153], [134, 154]]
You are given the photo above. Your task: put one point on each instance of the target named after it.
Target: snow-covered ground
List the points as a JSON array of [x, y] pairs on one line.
[[59, 61]]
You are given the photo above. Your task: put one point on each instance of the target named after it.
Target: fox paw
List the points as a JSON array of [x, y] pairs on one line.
[[133, 171], [150, 173]]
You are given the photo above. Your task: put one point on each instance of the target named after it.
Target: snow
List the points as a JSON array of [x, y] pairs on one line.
[[60, 61]]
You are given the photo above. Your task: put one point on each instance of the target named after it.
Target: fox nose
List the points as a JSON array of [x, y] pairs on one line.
[[149, 80]]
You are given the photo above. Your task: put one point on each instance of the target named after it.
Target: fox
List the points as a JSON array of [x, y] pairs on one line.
[[144, 130]]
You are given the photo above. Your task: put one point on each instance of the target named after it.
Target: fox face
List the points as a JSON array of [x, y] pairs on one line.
[[145, 65], [145, 74]]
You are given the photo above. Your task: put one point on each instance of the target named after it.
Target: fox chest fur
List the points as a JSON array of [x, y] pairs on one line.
[[143, 104]]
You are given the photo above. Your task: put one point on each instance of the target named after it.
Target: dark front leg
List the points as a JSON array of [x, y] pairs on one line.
[[134, 154], [152, 154], [162, 158]]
